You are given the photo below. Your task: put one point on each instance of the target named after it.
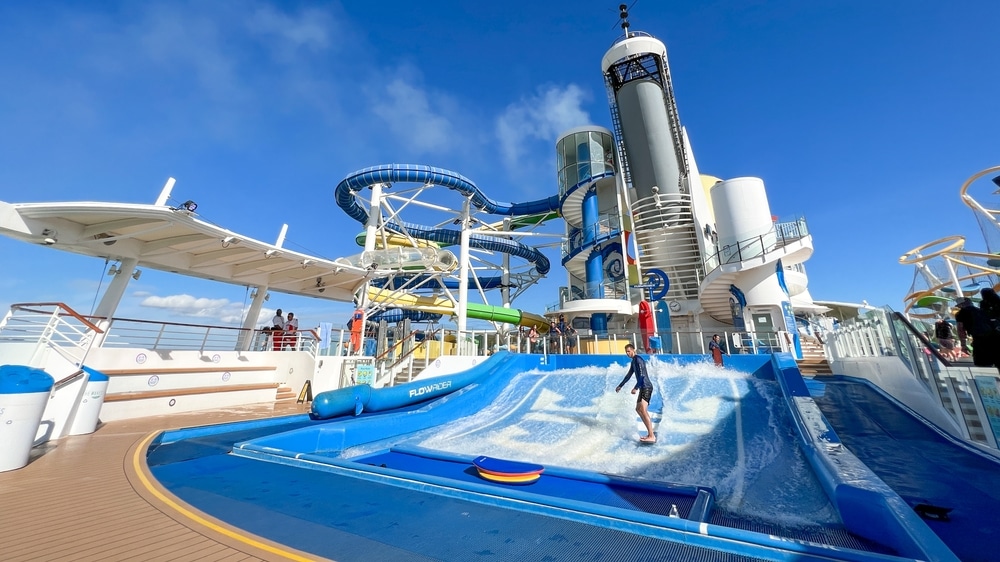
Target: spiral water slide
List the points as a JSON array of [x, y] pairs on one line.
[[411, 173]]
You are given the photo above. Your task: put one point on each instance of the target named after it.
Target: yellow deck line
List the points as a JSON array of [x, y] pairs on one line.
[[138, 465]]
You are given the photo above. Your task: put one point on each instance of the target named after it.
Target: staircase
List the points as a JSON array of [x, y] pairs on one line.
[[813, 360], [285, 393]]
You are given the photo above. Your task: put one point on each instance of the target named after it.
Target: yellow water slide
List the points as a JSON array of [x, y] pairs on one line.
[[440, 305]]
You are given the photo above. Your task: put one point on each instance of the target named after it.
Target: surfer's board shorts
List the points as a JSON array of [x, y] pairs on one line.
[[644, 394]]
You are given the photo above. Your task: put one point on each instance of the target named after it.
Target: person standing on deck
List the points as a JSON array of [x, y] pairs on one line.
[[277, 330], [554, 336], [354, 325], [985, 338], [291, 327], [532, 340], [715, 348], [643, 387], [990, 305]]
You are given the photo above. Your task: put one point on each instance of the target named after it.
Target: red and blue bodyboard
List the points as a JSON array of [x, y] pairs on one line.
[[507, 472]]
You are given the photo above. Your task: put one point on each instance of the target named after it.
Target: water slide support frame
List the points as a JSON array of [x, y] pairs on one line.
[[463, 274], [371, 227], [378, 177]]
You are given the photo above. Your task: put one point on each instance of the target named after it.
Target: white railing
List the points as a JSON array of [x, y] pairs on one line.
[[59, 327], [49, 326]]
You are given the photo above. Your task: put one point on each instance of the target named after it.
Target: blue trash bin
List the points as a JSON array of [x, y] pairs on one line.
[[654, 344], [24, 392]]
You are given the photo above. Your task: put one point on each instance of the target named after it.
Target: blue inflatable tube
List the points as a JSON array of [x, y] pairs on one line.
[[363, 397], [392, 315]]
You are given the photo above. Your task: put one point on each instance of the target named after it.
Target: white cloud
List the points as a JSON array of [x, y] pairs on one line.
[[415, 116], [192, 40], [224, 310], [541, 117], [310, 29]]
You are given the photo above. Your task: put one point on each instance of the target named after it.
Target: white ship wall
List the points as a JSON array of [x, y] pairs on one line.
[[742, 212], [764, 294], [700, 207]]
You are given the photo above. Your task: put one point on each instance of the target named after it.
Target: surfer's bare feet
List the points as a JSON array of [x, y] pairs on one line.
[[648, 439]]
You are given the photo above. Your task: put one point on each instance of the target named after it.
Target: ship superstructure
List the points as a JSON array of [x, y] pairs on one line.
[[645, 226]]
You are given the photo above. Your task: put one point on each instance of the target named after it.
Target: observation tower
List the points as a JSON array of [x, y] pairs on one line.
[[648, 233]]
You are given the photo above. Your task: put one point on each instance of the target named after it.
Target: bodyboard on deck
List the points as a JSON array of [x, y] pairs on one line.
[[507, 472]]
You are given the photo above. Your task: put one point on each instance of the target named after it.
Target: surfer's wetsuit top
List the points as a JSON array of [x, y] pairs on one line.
[[642, 380]]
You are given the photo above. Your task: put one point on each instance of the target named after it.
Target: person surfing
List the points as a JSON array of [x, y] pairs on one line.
[[644, 389]]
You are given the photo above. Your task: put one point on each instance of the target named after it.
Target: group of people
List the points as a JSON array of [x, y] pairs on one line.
[[562, 337], [983, 324], [283, 331]]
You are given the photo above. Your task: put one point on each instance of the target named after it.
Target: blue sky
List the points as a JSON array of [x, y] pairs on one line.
[[864, 117]]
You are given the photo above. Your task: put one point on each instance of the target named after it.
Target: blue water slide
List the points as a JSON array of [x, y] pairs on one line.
[[392, 315], [401, 281], [413, 173]]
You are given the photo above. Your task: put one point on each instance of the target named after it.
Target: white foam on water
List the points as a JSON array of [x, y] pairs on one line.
[[715, 427]]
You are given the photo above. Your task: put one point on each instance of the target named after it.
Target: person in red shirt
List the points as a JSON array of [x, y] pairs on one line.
[[355, 325]]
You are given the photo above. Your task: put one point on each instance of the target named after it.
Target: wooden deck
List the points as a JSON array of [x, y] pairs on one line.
[[90, 497]]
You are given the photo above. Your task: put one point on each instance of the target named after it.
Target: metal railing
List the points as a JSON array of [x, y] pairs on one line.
[[49, 325], [400, 358], [607, 226], [285, 340], [778, 237], [695, 342], [63, 329]]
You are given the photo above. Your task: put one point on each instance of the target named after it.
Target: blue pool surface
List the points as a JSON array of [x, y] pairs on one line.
[[743, 455], [921, 464]]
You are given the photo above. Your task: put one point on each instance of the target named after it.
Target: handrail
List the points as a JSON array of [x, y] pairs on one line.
[[412, 349], [68, 379], [923, 339], [387, 370], [784, 233], [183, 324], [69, 311]]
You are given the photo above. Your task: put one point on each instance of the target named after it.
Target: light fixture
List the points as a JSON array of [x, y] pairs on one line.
[[104, 236], [49, 237], [137, 274], [228, 240], [189, 206], [320, 284], [113, 270], [307, 262], [270, 253]]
